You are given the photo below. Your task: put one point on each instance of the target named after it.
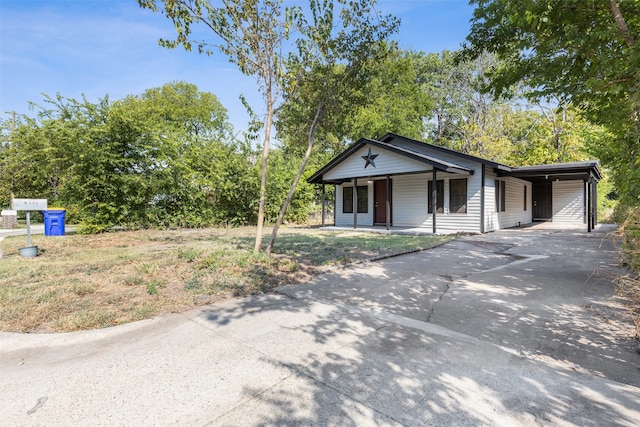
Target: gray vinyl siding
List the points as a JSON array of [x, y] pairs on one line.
[[491, 221], [410, 204], [387, 163], [470, 221], [415, 198], [568, 201], [410, 200], [514, 208], [515, 212]]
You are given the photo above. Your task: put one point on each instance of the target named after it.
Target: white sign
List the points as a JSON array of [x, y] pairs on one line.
[[29, 204]]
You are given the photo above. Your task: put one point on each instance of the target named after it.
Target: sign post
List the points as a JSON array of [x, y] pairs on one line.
[[29, 205]]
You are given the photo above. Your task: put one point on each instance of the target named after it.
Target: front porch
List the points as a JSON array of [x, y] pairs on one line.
[[382, 229]]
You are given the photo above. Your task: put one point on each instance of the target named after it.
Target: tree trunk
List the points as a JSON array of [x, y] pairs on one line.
[[263, 180], [311, 136]]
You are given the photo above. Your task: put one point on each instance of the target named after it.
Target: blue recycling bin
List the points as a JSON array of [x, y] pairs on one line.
[[54, 222]]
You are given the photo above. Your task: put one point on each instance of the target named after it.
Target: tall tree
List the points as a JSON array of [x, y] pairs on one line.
[[251, 34], [254, 35], [392, 98], [584, 51], [326, 74]]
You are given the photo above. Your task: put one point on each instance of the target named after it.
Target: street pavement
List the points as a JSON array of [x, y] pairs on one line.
[[517, 327]]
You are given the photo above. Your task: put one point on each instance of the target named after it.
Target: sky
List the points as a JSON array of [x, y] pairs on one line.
[[110, 47]]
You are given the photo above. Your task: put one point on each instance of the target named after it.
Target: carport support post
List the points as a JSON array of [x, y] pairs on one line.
[[595, 203], [592, 199], [585, 197], [482, 190], [589, 206], [434, 199], [355, 203]]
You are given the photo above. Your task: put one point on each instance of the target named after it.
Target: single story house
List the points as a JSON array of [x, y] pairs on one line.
[[390, 182]]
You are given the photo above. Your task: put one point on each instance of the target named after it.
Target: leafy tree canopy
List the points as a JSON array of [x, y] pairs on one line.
[[163, 158], [584, 51]]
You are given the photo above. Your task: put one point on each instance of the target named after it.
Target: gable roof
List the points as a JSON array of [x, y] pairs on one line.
[[424, 152], [561, 171], [436, 163], [419, 145]]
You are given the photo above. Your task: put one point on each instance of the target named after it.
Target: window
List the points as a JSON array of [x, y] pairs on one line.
[[458, 195], [525, 197], [347, 199], [501, 196], [440, 196], [363, 199]]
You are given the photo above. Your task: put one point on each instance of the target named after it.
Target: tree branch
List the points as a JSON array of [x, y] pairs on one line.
[[620, 22]]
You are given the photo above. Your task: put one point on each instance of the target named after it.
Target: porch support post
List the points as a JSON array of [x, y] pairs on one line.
[[388, 203], [585, 199], [324, 203], [589, 207], [482, 179], [355, 203], [434, 199]]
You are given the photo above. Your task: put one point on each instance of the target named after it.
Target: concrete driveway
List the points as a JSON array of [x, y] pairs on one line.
[[518, 327]]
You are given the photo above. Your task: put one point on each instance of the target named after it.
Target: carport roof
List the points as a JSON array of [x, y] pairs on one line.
[[561, 171]]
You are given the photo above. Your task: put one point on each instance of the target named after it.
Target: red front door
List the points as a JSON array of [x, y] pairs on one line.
[[380, 201]]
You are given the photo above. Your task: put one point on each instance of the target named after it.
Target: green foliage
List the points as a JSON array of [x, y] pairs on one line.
[[324, 78], [391, 99], [584, 52], [165, 158], [607, 199], [629, 220], [253, 35], [505, 128], [188, 254], [154, 286], [463, 113], [281, 174], [330, 41]]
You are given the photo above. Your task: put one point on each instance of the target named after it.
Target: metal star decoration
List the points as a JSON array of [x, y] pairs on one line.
[[369, 159]]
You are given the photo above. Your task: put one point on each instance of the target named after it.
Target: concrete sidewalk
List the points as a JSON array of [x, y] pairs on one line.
[[480, 331], [35, 229]]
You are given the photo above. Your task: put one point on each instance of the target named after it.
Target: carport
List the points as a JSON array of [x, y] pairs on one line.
[[563, 192]]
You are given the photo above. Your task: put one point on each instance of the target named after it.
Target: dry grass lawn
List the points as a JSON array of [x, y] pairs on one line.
[[93, 281]]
